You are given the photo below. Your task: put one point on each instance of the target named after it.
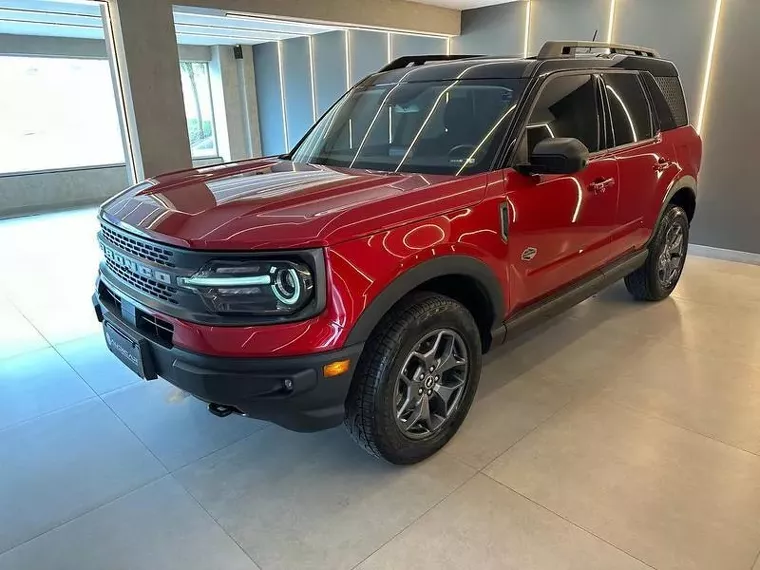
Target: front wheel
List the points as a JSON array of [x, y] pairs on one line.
[[658, 277], [415, 380]]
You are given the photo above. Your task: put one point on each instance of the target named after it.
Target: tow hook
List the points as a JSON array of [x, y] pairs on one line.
[[222, 411]]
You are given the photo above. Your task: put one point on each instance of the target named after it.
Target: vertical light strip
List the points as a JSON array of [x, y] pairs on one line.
[[390, 48], [348, 60], [611, 25], [282, 96], [708, 68], [448, 46], [311, 76], [527, 29]]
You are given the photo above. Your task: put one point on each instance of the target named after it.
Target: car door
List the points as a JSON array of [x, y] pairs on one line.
[[646, 162], [560, 226]]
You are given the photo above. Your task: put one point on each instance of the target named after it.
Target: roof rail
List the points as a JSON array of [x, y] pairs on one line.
[[415, 60], [553, 50]]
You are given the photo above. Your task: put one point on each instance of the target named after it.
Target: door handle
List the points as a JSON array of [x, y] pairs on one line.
[[662, 165], [600, 185]]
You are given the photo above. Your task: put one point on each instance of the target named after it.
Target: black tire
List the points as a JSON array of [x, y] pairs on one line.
[[371, 406], [647, 282]]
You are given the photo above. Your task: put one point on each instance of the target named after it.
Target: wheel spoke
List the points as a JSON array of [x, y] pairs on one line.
[[449, 358], [445, 394], [420, 414], [675, 246]]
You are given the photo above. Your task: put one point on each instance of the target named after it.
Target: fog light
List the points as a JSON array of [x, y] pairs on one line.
[[336, 368], [287, 384]]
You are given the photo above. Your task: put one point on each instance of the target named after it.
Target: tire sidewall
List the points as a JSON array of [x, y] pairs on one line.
[[394, 442]]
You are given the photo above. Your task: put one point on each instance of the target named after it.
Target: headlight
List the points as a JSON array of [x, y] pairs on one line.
[[266, 288]]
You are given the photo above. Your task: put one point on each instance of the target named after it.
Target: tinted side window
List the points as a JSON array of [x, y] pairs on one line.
[[661, 106], [629, 108], [566, 107]]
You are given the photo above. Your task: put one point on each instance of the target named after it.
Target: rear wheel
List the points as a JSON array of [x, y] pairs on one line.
[[658, 277], [415, 380]]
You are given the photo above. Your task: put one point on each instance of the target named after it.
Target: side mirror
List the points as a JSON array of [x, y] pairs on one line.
[[556, 156]]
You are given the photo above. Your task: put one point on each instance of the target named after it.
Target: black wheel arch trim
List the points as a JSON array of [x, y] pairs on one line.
[[688, 182], [448, 265]]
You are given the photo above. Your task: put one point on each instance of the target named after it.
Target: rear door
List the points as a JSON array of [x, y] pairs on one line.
[[560, 226], [646, 162]]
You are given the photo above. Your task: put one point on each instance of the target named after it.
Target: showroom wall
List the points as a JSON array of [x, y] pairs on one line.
[[729, 203], [339, 59]]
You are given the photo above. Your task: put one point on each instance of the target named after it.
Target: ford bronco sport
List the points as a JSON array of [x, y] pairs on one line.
[[437, 208]]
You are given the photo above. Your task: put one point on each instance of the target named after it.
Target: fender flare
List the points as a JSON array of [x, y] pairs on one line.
[[688, 182], [411, 279]]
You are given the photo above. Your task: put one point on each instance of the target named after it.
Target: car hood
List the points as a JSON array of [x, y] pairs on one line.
[[272, 203]]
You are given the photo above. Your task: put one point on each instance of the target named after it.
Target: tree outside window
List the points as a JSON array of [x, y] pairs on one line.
[[196, 91]]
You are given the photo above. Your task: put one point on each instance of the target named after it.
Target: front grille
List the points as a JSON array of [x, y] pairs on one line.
[[140, 248], [144, 284], [155, 327]]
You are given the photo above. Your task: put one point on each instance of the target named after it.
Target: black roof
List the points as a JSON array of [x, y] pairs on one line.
[[447, 68]]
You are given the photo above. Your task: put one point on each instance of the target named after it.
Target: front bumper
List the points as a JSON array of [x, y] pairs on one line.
[[255, 387]]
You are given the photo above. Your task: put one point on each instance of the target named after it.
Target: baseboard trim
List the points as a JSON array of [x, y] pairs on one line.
[[725, 254]]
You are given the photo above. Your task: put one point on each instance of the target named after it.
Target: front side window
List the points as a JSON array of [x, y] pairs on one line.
[[629, 109], [445, 127], [57, 113], [196, 92], [566, 107]]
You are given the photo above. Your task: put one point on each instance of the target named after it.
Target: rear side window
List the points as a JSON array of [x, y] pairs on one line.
[[671, 90], [661, 107], [629, 109], [566, 107]]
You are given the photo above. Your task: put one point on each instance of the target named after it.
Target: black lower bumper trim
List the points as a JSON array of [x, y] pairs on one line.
[[289, 391]]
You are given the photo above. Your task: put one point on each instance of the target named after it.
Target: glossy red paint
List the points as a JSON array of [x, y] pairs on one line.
[[375, 226]]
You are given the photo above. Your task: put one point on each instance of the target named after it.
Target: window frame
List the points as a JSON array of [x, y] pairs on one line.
[[532, 97], [652, 115]]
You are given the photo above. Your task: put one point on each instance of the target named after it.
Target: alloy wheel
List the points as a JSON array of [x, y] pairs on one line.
[[431, 383], [672, 256]]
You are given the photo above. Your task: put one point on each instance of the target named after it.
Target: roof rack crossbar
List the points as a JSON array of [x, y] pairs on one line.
[[552, 50], [415, 60]]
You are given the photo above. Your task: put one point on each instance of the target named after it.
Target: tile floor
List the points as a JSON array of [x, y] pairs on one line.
[[618, 436]]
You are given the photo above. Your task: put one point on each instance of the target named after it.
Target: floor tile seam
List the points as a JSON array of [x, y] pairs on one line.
[[65, 408], [573, 523], [87, 512], [645, 414], [213, 518], [418, 518]]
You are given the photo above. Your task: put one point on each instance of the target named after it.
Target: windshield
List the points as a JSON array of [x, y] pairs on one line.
[[440, 127]]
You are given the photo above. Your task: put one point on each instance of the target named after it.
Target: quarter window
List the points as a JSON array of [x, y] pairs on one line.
[[566, 107], [629, 109]]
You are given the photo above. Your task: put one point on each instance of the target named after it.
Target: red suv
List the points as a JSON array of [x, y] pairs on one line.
[[437, 208]]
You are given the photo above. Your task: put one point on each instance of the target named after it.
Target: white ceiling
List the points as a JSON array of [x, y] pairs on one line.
[[463, 4], [194, 26]]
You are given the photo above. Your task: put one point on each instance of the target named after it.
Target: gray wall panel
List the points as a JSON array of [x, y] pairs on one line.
[[497, 30], [729, 201], [416, 45], [38, 191], [329, 68], [269, 98], [369, 53], [678, 29], [567, 20], [298, 105]]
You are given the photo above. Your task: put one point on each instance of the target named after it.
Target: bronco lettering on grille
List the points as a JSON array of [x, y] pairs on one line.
[[135, 267]]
